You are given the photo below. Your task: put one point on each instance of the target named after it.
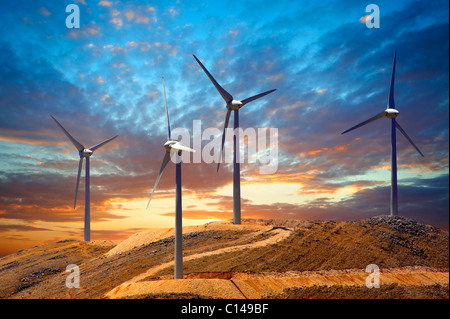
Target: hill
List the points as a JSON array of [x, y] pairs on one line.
[[258, 259]]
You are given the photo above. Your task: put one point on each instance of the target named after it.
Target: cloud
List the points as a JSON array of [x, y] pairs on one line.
[[105, 3], [21, 228], [99, 80], [25, 140], [44, 12], [129, 15], [117, 21], [275, 77], [153, 94], [365, 18], [173, 11], [234, 33], [142, 19]]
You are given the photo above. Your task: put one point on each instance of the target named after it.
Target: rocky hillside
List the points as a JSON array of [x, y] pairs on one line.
[[223, 251]]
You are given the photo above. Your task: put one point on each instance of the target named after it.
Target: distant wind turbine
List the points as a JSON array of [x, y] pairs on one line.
[[172, 146], [84, 153], [391, 113], [233, 105]]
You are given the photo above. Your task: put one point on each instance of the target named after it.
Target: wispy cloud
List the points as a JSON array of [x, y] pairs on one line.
[[44, 12]]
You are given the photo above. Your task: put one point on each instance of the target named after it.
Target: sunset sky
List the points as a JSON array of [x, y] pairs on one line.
[[330, 71]]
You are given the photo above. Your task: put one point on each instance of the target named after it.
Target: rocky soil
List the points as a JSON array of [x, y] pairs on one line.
[[389, 291], [218, 255]]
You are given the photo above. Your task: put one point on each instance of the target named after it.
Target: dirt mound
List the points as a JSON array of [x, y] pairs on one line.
[[145, 238], [139, 239], [403, 225], [255, 258]]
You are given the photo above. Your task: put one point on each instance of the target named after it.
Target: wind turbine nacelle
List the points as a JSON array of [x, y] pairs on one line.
[[168, 146], [235, 105], [391, 113], [86, 153]]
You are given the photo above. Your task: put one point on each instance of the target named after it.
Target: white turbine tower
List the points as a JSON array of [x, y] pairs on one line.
[[391, 113], [84, 153], [233, 105], [176, 147]]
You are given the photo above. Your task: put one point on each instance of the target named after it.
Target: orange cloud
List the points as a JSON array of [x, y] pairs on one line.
[[275, 77], [335, 148], [105, 3], [152, 94], [340, 147], [91, 29], [129, 15], [365, 18], [142, 19], [173, 11], [117, 21], [314, 152], [30, 141]]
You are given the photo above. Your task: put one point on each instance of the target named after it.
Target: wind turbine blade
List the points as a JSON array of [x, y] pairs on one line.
[[80, 166], [391, 103], [225, 95], [180, 147], [249, 99], [164, 163], [93, 148], [376, 117], [227, 119], [408, 138], [77, 145], [167, 112]]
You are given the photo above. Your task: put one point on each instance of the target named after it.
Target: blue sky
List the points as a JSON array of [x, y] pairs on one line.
[[330, 71]]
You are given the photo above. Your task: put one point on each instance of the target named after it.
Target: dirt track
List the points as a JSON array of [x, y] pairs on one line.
[[278, 234], [215, 287]]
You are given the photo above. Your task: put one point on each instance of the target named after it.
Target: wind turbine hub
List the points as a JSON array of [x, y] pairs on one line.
[[86, 153], [391, 113], [168, 145], [235, 105]]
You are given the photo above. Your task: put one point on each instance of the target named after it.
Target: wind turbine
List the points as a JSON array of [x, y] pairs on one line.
[[173, 146], [391, 113], [84, 153], [233, 105]]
